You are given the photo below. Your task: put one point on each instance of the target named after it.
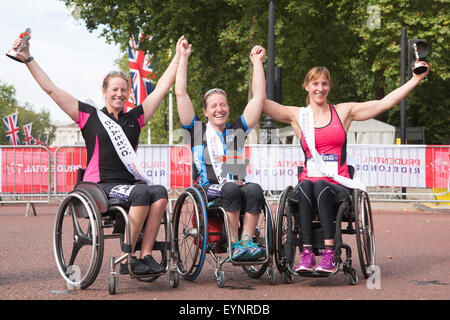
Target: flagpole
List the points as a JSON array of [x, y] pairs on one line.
[[149, 138], [170, 108]]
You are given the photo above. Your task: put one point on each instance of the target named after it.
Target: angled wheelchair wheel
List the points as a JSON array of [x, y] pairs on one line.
[[190, 226], [263, 236], [78, 239], [284, 233], [365, 238]]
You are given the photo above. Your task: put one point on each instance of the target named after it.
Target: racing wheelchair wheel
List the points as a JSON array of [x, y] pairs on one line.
[[190, 225], [285, 232], [78, 239], [365, 238]]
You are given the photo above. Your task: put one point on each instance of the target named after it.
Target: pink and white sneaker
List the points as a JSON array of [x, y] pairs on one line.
[[327, 265], [307, 262]]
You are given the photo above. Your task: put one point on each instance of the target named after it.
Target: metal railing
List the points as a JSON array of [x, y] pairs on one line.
[[408, 173]]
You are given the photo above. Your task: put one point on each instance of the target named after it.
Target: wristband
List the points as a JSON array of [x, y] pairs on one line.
[[28, 59]]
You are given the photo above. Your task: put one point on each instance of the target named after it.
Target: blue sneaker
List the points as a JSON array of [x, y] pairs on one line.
[[254, 251], [238, 251]]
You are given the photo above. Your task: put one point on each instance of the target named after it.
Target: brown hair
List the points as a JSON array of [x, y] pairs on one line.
[[114, 74], [313, 74], [210, 92]]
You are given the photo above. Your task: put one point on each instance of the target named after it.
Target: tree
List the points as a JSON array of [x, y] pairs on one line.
[[364, 59], [41, 120]]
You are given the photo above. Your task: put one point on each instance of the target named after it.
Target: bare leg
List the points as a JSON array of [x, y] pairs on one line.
[[233, 217], [152, 226], [137, 216], [250, 222]]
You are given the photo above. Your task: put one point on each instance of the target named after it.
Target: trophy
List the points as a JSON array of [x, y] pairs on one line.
[[418, 65], [14, 54]]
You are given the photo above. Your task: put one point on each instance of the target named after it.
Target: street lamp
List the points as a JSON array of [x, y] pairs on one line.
[[269, 123]]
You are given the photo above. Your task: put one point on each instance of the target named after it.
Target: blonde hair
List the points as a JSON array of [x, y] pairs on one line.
[[114, 74], [313, 74]]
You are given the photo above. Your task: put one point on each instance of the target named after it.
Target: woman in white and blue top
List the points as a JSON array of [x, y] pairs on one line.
[[217, 150]]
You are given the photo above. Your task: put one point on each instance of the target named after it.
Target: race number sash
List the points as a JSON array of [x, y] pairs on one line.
[[306, 121], [216, 151], [122, 146]]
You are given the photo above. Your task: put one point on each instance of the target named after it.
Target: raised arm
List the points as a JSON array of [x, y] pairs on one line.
[[186, 110], [63, 99], [154, 99], [351, 111], [253, 110], [279, 112]]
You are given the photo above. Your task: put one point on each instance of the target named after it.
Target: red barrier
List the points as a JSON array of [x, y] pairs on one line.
[[180, 167], [25, 170], [437, 166]]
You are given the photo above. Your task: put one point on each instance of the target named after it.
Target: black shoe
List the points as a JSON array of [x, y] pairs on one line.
[[137, 267], [152, 264]]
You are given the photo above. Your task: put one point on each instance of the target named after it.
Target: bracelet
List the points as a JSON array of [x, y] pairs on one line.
[[28, 59]]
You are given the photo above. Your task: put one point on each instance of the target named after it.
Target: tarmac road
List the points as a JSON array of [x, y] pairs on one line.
[[412, 252]]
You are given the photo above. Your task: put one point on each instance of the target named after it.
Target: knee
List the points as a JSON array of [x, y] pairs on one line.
[[231, 190], [319, 186], [304, 190], [255, 191], [159, 193], [144, 195]]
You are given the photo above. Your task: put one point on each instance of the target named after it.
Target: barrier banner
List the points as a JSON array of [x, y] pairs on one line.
[[274, 167], [68, 161], [389, 165], [180, 167], [25, 170], [437, 166], [155, 160]]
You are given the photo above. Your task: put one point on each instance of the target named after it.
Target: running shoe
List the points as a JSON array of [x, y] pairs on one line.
[[137, 267], [254, 251], [238, 251], [307, 262], [327, 265], [154, 266]]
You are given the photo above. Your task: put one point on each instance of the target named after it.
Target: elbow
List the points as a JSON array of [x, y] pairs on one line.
[[48, 91], [180, 93]]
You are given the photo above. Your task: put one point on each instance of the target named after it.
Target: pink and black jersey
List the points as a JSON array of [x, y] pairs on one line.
[[331, 144], [103, 163]]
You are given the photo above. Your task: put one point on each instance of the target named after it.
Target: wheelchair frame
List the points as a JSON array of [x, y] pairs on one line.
[[88, 202], [199, 232], [358, 215]]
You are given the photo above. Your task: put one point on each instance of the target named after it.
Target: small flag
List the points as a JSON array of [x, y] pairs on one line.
[[29, 140], [141, 74], [12, 128]]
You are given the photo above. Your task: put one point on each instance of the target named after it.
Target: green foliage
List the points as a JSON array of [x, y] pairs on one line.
[[41, 120], [364, 61]]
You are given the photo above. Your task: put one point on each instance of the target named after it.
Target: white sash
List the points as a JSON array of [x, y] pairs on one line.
[[306, 121], [122, 146], [215, 150]]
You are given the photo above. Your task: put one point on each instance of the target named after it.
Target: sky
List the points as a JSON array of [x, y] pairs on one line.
[[75, 59]]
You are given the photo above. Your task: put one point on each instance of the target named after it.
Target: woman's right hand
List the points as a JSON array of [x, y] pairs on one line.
[[185, 48], [25, 51]]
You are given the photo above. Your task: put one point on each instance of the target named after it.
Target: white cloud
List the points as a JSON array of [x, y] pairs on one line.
[[75, 59]]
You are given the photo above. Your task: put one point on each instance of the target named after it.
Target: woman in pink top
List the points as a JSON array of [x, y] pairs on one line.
[[331, 123]]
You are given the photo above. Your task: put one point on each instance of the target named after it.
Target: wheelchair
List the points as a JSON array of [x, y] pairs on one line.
[[201, 227], [80, 230], [353, 215]]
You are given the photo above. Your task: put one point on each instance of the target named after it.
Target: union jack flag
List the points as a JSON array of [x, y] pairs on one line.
[[141, 74], [12, 128], [28, 136]]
